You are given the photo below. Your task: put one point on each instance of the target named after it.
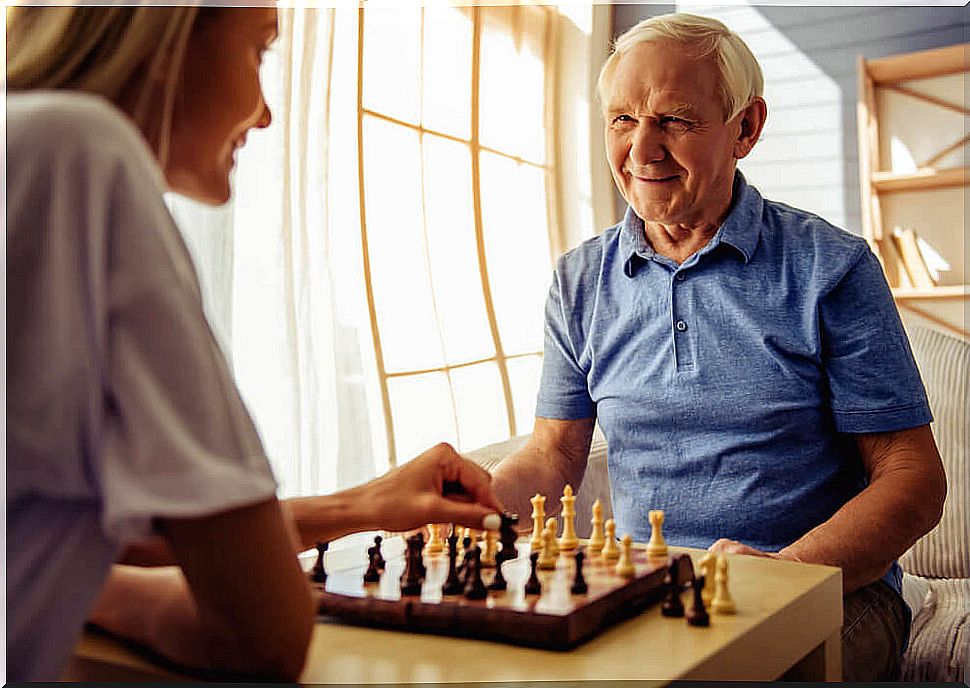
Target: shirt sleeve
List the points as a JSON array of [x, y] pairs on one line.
[[873, 380], [178, 440], [563, 389]]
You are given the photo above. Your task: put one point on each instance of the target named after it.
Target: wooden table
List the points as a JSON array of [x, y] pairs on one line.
[[788, 624]]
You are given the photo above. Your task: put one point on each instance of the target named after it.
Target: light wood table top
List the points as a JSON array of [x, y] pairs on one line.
[[789, 615]]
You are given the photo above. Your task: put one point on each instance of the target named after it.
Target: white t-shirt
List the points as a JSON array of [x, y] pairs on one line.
[[120, 406]]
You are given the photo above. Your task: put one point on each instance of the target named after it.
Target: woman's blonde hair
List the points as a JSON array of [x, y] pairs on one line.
[[134, 53], [741, 78]]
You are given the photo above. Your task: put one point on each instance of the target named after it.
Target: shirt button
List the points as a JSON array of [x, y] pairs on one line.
[[681, 326], [679, 277]]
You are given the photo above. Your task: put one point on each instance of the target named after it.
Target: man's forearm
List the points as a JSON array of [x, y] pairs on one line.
[[873, 529], [531, 470]]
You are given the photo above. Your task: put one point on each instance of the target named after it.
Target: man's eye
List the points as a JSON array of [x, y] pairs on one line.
[[622, 118], [675, 122]]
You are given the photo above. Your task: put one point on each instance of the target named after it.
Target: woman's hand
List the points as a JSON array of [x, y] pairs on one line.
[[439, 486]]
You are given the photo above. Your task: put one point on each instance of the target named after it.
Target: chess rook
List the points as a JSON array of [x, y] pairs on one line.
[[657, 547]]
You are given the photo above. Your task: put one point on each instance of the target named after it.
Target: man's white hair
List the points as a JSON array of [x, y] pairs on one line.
[[741, 78]]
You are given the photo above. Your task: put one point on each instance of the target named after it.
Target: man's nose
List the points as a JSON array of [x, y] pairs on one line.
[[647, 146]]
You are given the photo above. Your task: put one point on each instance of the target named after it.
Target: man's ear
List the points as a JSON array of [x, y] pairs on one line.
[[752, 122]]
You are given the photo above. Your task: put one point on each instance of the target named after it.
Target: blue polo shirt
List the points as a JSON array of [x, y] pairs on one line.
[[729, 387]]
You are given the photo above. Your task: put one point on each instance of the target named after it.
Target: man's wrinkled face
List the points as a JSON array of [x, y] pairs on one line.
[[671, 152]]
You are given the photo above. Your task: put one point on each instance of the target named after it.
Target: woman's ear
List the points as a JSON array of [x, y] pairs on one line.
[[752, 121]]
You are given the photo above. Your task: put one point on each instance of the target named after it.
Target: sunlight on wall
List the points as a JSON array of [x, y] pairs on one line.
[[800, 158]]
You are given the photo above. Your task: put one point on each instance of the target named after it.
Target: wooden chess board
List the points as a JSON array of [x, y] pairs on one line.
[[555, 619]]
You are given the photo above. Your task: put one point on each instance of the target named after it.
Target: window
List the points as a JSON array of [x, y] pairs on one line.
[[457, 200]]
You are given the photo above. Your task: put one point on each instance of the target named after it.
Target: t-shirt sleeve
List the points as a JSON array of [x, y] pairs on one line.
[[178, 440], [563, 389], [873, 380]]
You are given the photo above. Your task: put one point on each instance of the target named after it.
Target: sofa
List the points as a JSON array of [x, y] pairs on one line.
[[936, 579]]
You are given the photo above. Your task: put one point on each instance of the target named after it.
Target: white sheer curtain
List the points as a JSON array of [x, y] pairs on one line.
[[281, 265]]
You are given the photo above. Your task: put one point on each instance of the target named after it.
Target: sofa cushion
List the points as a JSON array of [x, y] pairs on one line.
[[944, 362], [940, 638]]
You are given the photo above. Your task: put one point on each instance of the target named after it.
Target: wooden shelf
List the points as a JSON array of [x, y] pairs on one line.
[[920, 180], [960, 291], [951, 59]]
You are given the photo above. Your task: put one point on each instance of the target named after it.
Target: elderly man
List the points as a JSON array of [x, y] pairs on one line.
[[744, 358]]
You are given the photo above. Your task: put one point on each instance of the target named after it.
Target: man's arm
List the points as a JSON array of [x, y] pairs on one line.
[[555, 455], [903, 501]]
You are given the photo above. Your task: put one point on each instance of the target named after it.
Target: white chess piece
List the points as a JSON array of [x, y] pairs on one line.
[[491, 548], [548, 557], [435, 544], [722, 602], [707, 570], [538, 521], [624, 567], [596, 538], [657, 547], [610, 550], [551, 525], [568, 542]]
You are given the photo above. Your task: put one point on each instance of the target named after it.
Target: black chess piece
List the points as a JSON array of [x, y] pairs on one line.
[[452, 584], [533, 586], [412, 578], [373, 572], [697, 615], [381, 564], [464, 567], [507, 535], [475, 587], [419, 549], [498, 582], [672, 605], [318, 574], [579, 583]]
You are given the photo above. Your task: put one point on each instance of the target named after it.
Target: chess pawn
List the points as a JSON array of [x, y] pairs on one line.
[[548, 557], [319, 572], [624, 567], [579, 586], [568, 542], [610, 551], [554, 547], [538, 521], [435, 544], [596, 538], [491, 547], [378, 555], [722, 602], [657, 547], [533, 586], [707, 573]]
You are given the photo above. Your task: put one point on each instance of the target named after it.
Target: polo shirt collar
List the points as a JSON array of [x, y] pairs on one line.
[[741, 228]]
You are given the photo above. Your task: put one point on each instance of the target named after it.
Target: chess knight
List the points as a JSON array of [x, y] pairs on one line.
[[744, 358]]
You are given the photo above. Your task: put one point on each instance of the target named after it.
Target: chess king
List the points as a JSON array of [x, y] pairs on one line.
[[744, 358]]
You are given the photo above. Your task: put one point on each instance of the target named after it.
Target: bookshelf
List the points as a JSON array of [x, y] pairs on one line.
[[912, 119]]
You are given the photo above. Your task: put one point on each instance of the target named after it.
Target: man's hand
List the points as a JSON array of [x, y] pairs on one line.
[[726, 546]]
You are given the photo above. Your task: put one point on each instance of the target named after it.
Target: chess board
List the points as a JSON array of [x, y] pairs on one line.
[[555, 619]]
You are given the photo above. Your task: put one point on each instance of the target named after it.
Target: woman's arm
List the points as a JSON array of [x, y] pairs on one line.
[[238, 602]]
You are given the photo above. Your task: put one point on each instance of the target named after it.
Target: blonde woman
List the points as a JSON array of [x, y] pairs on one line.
[[123, 419]]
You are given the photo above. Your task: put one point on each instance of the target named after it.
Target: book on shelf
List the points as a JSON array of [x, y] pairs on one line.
[[912, 258], [892, 264]]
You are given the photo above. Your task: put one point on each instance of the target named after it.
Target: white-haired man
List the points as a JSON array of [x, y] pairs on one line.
[[744, 358]]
